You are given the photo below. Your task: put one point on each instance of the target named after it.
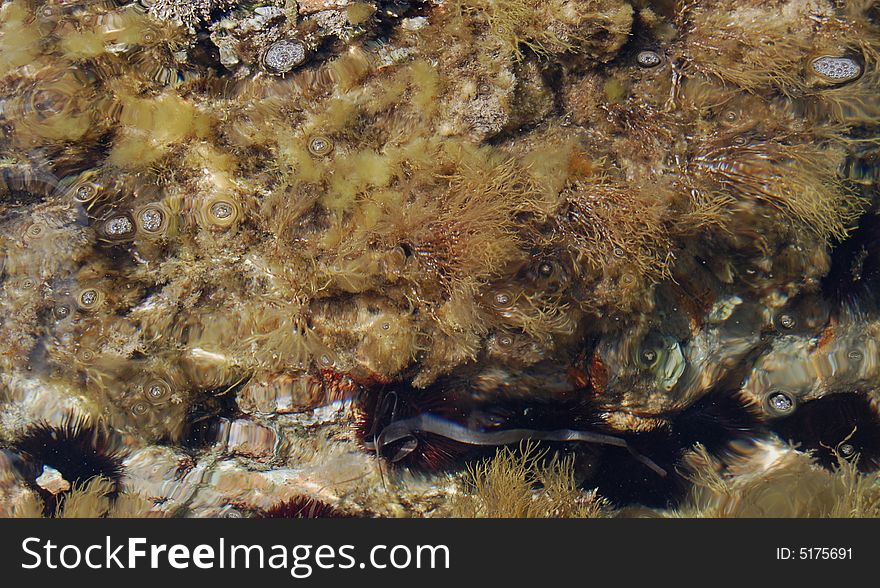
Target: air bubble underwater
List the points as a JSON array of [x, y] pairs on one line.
[[90, 299], [838, 70], [780, 403], [282, 56], [786, 321], [648, 59], [151, 220], [320, 146], [118, 227], [221, 210], [157, 391]]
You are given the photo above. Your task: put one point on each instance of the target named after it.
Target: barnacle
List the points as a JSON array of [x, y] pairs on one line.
[[85, 192], [117, 227], [157, 391], [780, 403], [61, 311]]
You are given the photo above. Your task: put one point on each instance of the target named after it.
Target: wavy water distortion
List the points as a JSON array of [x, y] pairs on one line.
[[325, 258]]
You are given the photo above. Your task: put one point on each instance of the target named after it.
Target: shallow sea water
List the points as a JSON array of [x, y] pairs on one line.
[[511, 258]]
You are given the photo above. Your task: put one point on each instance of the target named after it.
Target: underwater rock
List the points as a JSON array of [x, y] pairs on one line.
[[189, 13], [329, 252], [280, 394], [312, 6], [244, 38], [168, 477], [52, 481], [798, 369], [248, 438]]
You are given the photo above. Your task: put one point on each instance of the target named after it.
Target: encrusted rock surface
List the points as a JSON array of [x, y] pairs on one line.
[[339, 249]]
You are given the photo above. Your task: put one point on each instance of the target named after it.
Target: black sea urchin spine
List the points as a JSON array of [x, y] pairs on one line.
[[77, 449], [842, 425], [854, 278]]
